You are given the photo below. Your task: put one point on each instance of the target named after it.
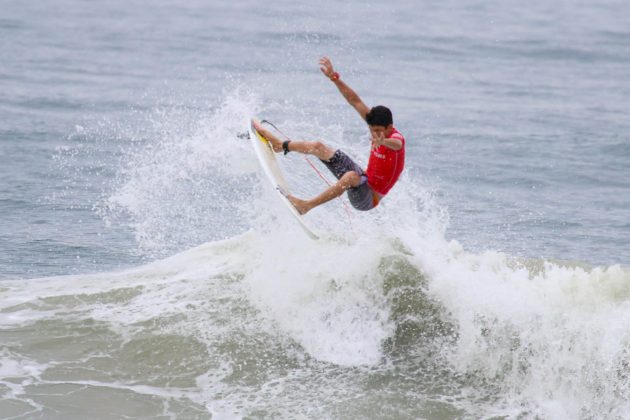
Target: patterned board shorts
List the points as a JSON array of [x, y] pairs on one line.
[[362, 197]]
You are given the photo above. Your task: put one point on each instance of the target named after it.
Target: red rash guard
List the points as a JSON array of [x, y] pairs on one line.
[[385, 166]]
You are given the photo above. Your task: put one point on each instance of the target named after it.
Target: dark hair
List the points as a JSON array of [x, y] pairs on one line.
[[379, 115]]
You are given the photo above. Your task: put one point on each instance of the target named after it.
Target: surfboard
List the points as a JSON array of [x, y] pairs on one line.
[[267, 158]]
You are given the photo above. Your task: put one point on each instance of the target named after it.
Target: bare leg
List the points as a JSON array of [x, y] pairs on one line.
[[348, 180], [315, 148]]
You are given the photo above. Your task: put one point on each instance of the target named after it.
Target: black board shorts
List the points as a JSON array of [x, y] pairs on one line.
[[362, 197]]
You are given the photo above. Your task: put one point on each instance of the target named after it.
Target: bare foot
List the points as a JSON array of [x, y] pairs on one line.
[[301, 206], [276, 144]]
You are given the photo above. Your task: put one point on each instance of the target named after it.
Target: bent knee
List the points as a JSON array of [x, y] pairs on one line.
[[351, 178], [321, 150]]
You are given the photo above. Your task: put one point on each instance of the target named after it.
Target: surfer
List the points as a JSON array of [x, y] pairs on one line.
[[366, 187]]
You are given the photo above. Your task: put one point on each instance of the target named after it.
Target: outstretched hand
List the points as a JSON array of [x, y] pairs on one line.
[[325, 65]]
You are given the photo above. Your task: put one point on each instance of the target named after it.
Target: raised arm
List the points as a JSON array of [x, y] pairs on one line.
[[353, 99]]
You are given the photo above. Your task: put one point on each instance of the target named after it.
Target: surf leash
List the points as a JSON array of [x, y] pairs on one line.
[[317, 171]]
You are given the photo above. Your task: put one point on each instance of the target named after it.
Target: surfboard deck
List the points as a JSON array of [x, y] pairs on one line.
[[267, 158]]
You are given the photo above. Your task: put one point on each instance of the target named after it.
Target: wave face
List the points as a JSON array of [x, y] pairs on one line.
[[275, 325]]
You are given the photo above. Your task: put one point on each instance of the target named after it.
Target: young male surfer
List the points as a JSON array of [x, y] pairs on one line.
[[365, 187]]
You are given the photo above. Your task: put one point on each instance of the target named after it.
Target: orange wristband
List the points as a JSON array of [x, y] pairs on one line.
[[334, 77]]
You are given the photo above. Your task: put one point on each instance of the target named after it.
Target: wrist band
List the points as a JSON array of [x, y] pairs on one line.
[[334, 77], [285, 146]]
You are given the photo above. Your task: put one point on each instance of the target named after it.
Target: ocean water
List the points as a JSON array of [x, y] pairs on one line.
[[147, 270]]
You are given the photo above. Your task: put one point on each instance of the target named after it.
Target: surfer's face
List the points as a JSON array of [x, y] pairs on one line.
[[380, 131]]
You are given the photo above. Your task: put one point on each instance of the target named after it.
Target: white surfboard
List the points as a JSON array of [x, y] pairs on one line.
[[267, 159]]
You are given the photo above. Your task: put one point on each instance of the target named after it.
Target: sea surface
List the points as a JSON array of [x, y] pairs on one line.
[[148, 270]]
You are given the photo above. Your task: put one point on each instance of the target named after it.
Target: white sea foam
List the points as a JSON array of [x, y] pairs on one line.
[[553, 337]]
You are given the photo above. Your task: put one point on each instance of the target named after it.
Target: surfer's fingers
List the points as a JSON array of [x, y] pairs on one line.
[[325, 61], [326, 67]]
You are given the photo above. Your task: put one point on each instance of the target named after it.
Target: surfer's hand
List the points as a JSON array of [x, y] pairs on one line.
[[377, 140], [325, 65]]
